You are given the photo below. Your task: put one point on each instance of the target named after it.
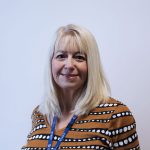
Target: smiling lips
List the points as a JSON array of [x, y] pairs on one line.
[[71, 76]]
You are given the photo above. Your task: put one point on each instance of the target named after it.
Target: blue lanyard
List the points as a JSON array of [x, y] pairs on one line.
[[62, 136]]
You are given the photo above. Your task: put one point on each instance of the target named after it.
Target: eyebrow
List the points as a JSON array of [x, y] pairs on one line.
[[64, 51], [60, 51]]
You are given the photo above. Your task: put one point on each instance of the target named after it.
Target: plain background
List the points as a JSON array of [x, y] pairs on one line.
[[122, 30]]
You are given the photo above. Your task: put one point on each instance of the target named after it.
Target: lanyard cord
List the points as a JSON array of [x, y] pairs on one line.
[[62, 136]]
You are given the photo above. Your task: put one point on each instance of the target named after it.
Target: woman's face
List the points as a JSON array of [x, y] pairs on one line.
[[69, 68]]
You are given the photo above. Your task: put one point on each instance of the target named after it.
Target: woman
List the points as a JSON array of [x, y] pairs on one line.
[[78, 112]]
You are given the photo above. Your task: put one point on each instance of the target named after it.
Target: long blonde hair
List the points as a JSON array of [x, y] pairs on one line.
[[96, 89]]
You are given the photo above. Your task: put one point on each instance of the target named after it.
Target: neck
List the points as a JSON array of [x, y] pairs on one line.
[[63, 121], [68, 100]]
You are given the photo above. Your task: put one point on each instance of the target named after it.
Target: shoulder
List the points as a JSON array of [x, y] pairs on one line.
[[118, 105], [113, 104], [120, 110], [37, 116], [116, 112], [35, 112], [112, 112], [121, 116], [114, 101]]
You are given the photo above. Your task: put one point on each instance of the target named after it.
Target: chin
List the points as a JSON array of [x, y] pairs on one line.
[[69, 87]]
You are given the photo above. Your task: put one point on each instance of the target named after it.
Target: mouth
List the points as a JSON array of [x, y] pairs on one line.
[[69, 75]]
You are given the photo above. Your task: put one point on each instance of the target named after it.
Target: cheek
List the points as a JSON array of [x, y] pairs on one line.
[[84, 70], [54, 68]]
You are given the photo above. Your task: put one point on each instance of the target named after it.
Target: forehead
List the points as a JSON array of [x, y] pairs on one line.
[[72, 52], [69, 43]]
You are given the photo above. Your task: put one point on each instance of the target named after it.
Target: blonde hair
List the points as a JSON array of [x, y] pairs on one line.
[[96, 89]]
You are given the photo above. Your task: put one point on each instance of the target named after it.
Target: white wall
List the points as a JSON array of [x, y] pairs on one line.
[[122, 29]]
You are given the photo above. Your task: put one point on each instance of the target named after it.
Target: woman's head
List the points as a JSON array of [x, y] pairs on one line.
[[68, 40], [68, 61]]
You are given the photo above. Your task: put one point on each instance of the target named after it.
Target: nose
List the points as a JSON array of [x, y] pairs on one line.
[[69, 63]]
